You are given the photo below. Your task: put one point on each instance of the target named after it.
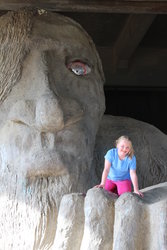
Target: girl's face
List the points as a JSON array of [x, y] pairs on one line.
[[124, 147]]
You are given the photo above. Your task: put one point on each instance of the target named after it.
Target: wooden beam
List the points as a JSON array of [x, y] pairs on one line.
[[129, 38], [98, 6], [106, 55]]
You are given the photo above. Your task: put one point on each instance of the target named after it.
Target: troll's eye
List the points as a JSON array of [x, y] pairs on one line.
[[79, 68]]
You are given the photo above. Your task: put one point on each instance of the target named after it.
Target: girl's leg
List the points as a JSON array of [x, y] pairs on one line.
[[110, 186], [124, 186]]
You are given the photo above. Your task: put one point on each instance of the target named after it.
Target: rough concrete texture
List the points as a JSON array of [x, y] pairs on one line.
[[109, 222], [49, 117], [70, 222], [51, 106], [99, 220], [141, 223]]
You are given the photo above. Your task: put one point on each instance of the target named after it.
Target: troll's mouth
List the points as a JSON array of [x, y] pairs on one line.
[[44, 164]]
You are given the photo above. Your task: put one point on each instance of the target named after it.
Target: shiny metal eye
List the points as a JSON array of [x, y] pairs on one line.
[[79, 68]]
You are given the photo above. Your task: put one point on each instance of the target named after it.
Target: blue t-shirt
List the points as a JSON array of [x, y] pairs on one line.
[[120, 169]]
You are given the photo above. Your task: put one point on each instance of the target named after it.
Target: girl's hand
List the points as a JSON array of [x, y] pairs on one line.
[[99, 186], [139, 193]]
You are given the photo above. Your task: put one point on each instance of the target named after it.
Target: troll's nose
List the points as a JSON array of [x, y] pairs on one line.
[[49, 115]]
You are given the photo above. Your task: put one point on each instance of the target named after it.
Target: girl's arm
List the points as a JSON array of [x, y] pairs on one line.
[[107, 166], [134, 179]]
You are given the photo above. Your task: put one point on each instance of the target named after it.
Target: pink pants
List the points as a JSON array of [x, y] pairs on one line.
[[118, 187]]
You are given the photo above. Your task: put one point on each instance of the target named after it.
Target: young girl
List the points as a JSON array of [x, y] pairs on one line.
[[120, 168]]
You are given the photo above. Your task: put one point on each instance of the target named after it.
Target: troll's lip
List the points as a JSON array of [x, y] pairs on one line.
[[45, 164]]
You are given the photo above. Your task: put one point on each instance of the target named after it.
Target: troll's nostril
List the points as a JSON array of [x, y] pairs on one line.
[[23, 112], [49, 115]]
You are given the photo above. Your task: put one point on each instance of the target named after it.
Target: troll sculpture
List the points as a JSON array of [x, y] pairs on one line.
[[51, 107]]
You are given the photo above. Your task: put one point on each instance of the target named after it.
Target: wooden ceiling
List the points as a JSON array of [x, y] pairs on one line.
[[131, 36], [97, 6]]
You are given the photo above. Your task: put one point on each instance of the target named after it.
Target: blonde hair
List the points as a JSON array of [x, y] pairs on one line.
[[125, 137]]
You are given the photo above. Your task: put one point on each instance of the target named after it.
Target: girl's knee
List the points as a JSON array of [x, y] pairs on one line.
[[109, 186], [124, 187]]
